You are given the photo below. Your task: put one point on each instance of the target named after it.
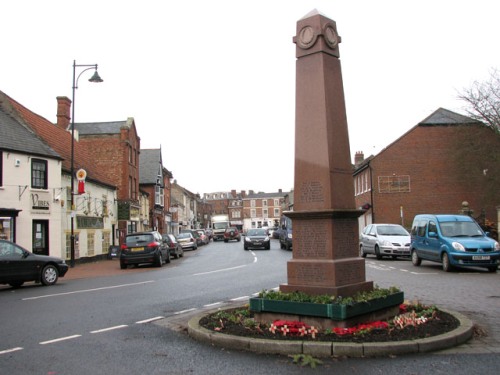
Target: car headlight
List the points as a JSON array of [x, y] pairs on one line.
[[290, 235], [247, 239], [496, 246], [386, 243], [458, 246], [266, 239]]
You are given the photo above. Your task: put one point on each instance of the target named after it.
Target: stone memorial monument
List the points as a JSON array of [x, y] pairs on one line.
[[325, 221]]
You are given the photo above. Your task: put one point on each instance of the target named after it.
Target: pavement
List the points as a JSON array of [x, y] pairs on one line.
[[460, 338]]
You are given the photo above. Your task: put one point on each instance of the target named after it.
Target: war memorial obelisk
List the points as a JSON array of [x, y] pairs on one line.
[[325, 221]]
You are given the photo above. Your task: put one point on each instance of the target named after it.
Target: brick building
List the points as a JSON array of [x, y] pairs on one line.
[[154, 179], [115, 148], [262, 209], [441, 162]]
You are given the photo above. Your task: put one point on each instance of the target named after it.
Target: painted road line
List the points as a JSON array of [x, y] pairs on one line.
[[184, 311], [109, 329], [59, 339], [87, 290], [150, 320], [239, 298], [222, 270], [212, 304], [10, 350]]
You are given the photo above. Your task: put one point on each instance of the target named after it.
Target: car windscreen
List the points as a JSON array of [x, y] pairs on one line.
[[460, 229], [184, 235], [256, 232], [392, 230]]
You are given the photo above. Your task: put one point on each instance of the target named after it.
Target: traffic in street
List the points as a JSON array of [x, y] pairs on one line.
[[134, 322]]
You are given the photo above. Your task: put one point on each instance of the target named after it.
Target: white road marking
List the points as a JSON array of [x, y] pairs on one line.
[[10, 350], [150, 320], [109, 329], [184, 311], [239, 298], [212, 304], [60, 339], [222, 270], [87, 290]]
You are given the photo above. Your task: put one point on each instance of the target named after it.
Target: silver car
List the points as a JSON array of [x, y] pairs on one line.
[[384, 240]]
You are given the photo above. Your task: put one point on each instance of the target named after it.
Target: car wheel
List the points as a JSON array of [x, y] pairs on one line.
[[159, 260], [377, 252], [447, 267], [50, 274], [287, 246], [168, 257], [281, 246], [361, 252], [492, 269], [245, 248], [195, 247], [416, 261], [268, 247], [226, 241], [123, 266], [16, 284], [176, 255], [181, 253]]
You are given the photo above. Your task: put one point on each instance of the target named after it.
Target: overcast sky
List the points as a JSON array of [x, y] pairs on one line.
[[213, 82]]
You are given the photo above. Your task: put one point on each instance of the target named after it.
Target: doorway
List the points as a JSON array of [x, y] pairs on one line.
[[40, 237]]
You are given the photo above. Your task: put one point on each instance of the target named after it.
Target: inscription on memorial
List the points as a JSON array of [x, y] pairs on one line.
[[311, 191], [350, 273], [310, 239], [310, 273], [345, 239]]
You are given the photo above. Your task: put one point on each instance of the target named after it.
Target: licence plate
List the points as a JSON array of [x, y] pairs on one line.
[[137, 249], [480, 257], [257, 243]]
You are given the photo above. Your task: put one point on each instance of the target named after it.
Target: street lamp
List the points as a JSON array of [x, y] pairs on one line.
[[95, 78]]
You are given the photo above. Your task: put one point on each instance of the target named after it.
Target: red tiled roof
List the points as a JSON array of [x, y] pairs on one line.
[[60, 140]]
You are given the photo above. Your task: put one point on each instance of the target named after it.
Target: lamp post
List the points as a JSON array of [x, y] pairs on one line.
[[95, 78]]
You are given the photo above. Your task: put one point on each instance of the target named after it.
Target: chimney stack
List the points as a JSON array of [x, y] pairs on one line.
[[358, 158], [63, 112]]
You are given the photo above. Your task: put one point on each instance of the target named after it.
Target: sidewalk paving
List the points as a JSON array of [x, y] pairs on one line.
[[100, 268]]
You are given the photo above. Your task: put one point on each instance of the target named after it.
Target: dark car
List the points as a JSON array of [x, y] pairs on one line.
[[232, 233], [187, 240], [144, 247], [175, 247], [18, 265], [257, 238]]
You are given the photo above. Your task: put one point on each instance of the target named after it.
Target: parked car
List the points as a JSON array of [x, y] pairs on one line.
[[196, 235], [144, 247], [18, 265], [384, 240], [204, 238], [257, 238], [232, 233], [452, 240], [175, 247], [187, 240]]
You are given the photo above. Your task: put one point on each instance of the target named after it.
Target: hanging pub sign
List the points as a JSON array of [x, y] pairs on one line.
[[81, 175]]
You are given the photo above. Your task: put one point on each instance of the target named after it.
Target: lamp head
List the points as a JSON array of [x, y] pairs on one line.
[[95, 78]]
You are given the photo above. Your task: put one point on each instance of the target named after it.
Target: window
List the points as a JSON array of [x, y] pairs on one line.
[[264, 202], [253, 213], [276, 202], [264, 212], [38, 174], [252, 203], [394, 184], [159, 196], [276, 212]]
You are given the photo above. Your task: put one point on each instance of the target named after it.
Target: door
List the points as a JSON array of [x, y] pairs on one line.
[[41, 237]]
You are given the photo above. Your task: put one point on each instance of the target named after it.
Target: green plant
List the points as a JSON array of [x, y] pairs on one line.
[[306, 360], [326, 299]]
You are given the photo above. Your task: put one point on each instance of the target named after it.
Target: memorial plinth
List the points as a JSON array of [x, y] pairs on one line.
[[325, 221]]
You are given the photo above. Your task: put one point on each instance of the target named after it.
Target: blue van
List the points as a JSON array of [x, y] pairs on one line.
[[453, 240]]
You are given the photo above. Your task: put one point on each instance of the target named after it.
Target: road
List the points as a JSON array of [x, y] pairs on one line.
[[122, 324]]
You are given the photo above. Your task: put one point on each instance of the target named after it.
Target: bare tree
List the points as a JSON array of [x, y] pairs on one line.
[[483, 100]]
